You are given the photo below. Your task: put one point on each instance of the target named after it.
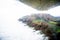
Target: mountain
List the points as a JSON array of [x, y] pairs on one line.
[[45, 17], [47, 24], [36, 19]]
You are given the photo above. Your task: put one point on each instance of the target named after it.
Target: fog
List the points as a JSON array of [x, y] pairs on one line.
[[54, 11], [10, 27]]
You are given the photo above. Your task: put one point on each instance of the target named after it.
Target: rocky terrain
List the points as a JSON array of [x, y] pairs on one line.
[[41, 4], [46, 23]]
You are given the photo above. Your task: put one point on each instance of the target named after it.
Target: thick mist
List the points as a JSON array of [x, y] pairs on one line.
[[10, 27]]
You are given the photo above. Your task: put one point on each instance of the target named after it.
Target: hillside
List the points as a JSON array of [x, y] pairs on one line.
[[45, 17], [45, 23]]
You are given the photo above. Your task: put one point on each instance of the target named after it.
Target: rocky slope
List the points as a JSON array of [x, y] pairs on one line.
[[45, 23]]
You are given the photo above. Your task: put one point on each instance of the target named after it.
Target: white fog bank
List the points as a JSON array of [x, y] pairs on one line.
[[10, 27]]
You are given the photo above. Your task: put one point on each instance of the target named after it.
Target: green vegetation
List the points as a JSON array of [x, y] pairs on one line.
[[51, 22]]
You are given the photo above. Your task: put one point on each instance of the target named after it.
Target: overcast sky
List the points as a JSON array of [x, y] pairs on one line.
[[11, 28]]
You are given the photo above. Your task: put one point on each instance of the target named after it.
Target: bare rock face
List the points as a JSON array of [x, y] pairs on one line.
[[41, 4]]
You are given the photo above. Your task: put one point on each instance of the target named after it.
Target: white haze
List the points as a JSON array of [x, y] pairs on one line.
[[54, 11], [10, 27]]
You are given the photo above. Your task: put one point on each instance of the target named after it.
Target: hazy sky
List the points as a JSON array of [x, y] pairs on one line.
[[54, 11], [11, 28]]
